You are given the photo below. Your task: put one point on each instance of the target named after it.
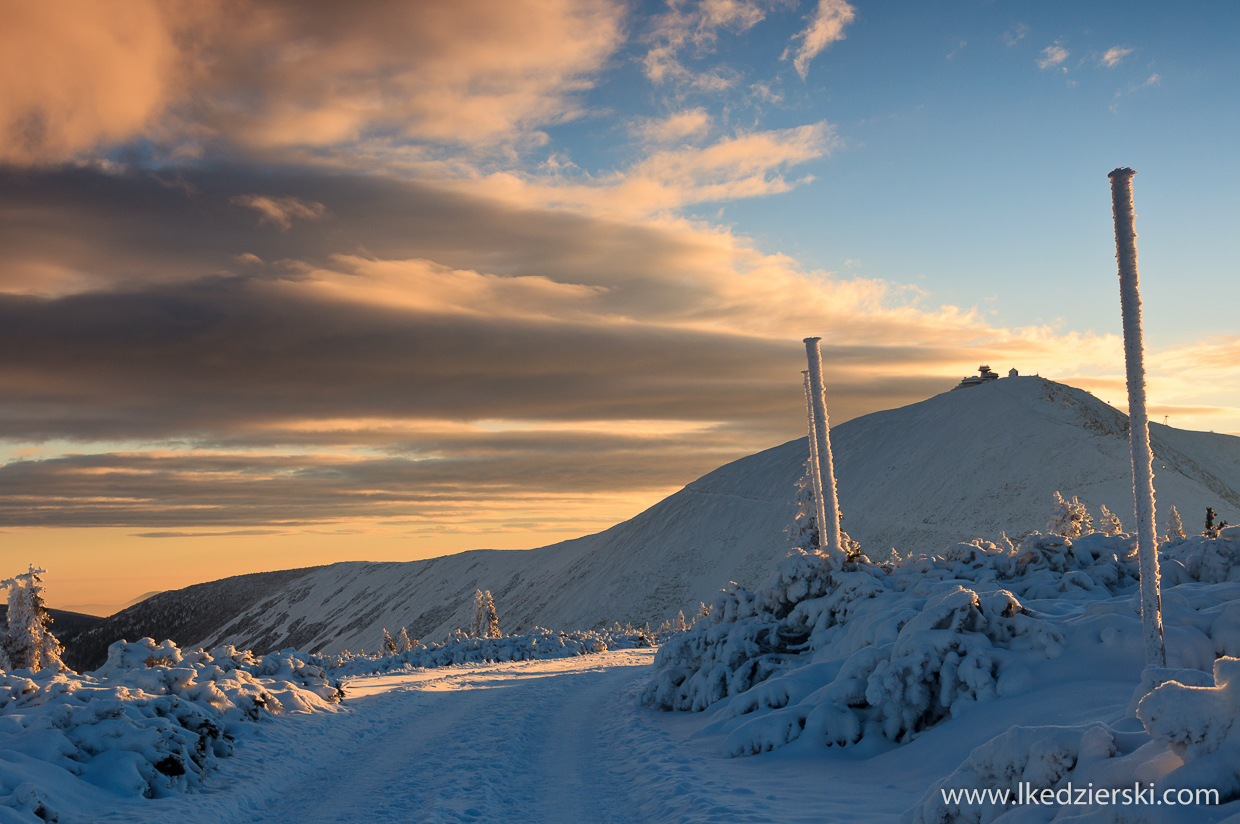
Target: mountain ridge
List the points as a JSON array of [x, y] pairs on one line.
[[956, 466]]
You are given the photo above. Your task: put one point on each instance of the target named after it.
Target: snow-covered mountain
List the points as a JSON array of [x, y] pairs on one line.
[[960, 465]]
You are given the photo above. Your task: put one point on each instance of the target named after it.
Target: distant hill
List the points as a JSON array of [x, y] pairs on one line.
[[964, 464], [104, 610], [184, 615], [65, 623]]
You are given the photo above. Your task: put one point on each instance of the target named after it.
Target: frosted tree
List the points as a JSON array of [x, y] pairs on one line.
[[29, 644], [1138, 416], [1175, 529], [389, 645], [679, 624], [1070, 518], [1108, 521], [486, 620], [803, 532], [403, 644]]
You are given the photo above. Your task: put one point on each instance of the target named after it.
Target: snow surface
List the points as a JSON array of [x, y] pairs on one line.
[[856, 693], [541, 741], [960, 465]]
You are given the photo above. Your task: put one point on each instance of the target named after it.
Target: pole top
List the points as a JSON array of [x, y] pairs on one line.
[[1122, 171], [810, 340]]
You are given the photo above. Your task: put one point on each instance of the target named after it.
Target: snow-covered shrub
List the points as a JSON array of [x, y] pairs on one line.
[[486, 620], [403, 642], [28, 643], [916, 640], [1108, 521], [1175, 529], [538, 643], [153, 719], [803, 531], [1070, 519]]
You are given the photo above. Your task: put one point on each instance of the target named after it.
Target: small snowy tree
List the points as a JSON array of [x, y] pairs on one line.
[[1070, 518], [486, 620], [1108, 521], [29, 644], [679, 624], [403, 644], [389, 645], [1210, 516], [1175, 529], [803, 531]]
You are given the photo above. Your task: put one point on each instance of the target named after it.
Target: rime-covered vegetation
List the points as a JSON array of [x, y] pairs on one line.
[[464, 648], [153, 720], [872, 655]]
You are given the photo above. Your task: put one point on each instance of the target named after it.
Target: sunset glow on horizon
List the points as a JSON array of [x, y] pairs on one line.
[[283, 284]]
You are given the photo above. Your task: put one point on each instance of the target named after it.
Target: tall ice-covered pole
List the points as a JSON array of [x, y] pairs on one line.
[[829, 526], [1138, 418], [815, 473]]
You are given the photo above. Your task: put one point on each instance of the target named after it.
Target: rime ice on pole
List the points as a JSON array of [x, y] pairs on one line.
[[1139, 422], [829, 507], [814, 467]]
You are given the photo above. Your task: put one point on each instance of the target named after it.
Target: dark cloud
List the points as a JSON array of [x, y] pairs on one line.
[[295, 386]]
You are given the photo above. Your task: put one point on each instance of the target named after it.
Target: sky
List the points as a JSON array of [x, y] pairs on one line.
[[283, 284]]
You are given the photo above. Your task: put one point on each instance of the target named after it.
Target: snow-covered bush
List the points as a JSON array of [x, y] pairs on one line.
[[154, 718], [486, 619], [1175, 529], [1070, 519], [538, 643], [803, 531], [1204, 558], [899, 647], [403, 641], [1108, 521], [28, 643]]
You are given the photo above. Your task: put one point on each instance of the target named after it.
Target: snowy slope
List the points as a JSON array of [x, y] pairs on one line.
[[960, 465]]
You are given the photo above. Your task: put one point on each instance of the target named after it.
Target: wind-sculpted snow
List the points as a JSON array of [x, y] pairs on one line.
[[537, 644], [150, 722]]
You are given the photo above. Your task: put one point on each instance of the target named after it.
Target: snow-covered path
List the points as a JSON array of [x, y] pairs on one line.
[[508, 742], [546, 741], [540, 741]]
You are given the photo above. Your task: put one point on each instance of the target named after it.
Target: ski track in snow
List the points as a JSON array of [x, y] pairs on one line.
[[545, 741]]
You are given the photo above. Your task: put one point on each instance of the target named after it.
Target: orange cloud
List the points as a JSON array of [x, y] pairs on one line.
[[79, 73], [825, 27], [425, 286], [746, 165]]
